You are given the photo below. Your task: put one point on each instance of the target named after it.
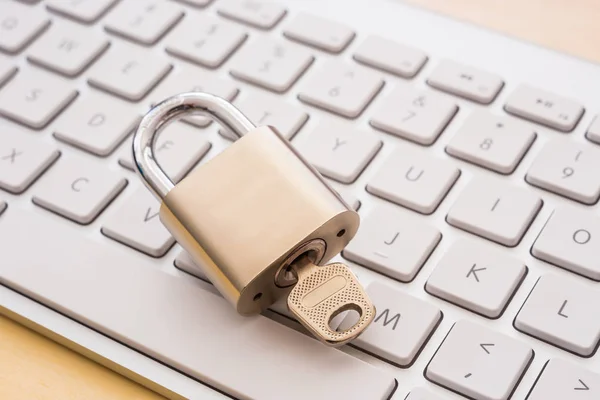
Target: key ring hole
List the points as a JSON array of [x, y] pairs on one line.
[[353, 314]]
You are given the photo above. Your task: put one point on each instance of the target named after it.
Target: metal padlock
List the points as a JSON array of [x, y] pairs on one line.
[[258, 218]]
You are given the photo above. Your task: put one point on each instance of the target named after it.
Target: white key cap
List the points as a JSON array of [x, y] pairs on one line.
[[205, 40], [478, 362], [571, 240], [349, 197], [563, 312], [341, 88], [179, 148], [7, 70], [136, 223], [414, 179], [201, 317], [77, 189], [87, 11], [67, 49], [477, 277], [271, 64], [593, 132], [390, 56], [97, 123], [143, 21], [128, 73], [562, 379], [19, 25], [260, 14], [3, 206], [265, 109], [339, 151], [466, 81], [422, 394], [401, 328], [392, 242], [23, 158], [184, 262], [569, 169], [491, 141], [192, 79], [496, 210], [544, 107], [319, 32], [419, 116], [34, 98]]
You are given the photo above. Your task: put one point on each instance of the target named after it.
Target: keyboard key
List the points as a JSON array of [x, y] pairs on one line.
[[571, 240], [563, 312], [7, 70], [179, 147], [562, 379], [341, 88], [23, 159], [77, 189], [492, 142], [3, 206], [422, 394], [349, 197], [477, 277], [544, 107], [263, 109], [137, 224], [401, 328], [593, 132], [184, 262], [271, 64], [143, 21], [128, 73], [319, 32], [97, 123], [19, 25], [413, 179], [205, 40], [67, 49], [478, 362], [568, 169], [34, 98], [393, 243], [465, 81], [414, 115], [390, 56], [192, 79], [87, 11], [259, 14], [495, 210], [77, 276], [339, 151]]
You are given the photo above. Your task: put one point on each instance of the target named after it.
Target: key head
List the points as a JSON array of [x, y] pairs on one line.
[[323, 292]]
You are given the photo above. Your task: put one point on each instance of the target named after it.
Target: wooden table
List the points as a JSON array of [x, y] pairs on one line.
[[34, 367]]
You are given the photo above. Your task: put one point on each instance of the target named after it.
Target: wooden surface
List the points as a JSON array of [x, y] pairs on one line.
[[568, 26], [34, 367]]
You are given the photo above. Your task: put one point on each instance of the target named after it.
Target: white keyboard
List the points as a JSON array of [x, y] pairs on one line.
[[473, 160]]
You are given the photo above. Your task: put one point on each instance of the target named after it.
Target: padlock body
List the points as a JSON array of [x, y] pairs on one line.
[[244, 212]]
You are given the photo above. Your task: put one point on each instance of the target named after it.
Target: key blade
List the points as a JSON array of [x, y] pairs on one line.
[[323, 292]]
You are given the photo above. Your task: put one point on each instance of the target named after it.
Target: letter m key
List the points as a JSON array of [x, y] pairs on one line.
[[385, 314]]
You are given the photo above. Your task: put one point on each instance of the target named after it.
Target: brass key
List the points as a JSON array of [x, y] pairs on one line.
[[323, 292], [258, 219]]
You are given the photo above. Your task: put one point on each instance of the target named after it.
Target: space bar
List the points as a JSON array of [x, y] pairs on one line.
[[174, 321]]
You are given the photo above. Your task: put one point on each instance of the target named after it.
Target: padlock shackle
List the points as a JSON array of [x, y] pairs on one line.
[[170, 110]]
